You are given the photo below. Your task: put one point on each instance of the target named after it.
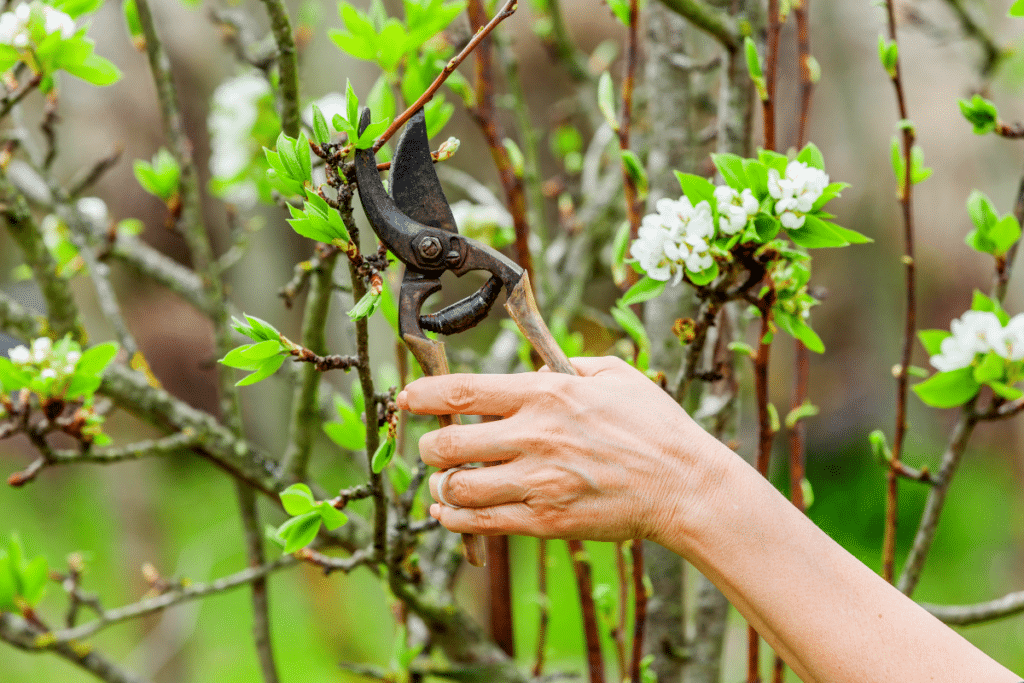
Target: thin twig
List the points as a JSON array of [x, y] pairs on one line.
[[287, 66], [585, 585], [640, 596], [910, 320], [716, 22], [543, 606], [506, 11]]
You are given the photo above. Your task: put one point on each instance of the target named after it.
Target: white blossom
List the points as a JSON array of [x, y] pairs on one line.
[[48, 374], [14, 25], [796, 193], [974, 332], [675, 239], [233, 113], [1010, 343], [41, 349], [20, 355], [734, 208], [95, 210]]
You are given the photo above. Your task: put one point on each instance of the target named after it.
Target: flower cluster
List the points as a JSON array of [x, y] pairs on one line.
[[676, 238], [796, 193], [43, 356], [735, 209], [979, 332], [18, 26]]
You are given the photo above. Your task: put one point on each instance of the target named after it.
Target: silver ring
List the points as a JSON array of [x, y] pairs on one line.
[[444, 479]]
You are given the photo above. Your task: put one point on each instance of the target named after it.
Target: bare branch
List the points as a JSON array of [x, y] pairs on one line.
[[980, 613]]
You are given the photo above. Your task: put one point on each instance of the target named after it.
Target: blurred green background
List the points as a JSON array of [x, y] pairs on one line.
[[180, 515]]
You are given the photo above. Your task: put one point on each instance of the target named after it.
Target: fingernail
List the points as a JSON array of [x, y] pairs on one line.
[[435, 511], [403, 399]]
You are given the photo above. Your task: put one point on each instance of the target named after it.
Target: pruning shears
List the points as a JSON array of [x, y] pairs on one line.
[[416, 223]]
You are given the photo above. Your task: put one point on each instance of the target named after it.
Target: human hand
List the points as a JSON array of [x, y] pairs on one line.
[[604, 456]]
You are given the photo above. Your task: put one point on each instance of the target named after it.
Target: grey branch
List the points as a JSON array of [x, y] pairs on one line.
[[17, 632], [968, 615], [716, 22], [163, 601], [147, 261]]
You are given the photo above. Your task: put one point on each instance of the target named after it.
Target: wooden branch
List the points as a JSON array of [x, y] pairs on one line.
[[506, 11], [585, 585], [713, 21], [968, 615], [287, 66]]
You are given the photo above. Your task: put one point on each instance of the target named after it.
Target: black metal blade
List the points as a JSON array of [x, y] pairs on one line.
[[415, 186]]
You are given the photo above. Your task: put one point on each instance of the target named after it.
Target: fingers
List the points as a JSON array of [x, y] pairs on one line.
[[466, 394], [512, 518], [462, 444], [478, 487], [591, 367]]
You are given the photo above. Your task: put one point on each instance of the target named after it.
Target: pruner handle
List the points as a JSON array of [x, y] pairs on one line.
[[432, 358], [522, 307]]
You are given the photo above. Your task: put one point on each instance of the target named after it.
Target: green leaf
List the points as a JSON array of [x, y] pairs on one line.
[[980, 113], [696, 188], [8, 589], [297, 499], [932, 340], [261, 329], [888, 55], [831, 191], [332, 517], [515, 157], [1005, 391], [982, 212], [1004, 234], [383, 455], [635, 171], [262, 350], [606, 100], [235, 359], [645, 289], [766, 227], [1016, 9], [95, 69], [918, 171], [131, 20], [879, 446], [289, 159], [438, 112], [76, 8], [705, 277], [816, 234], [629, 322], [95, 360], [798, 329], [805, 409], [620, 8], [753, 58], [381, 99], [982, 302], [991, 367], [267, 368], [12, 377], [34, 576], [351, 105], [757, 177], [948, 389], [365, 307], [400, 475], [298, 532], [812, 156], [321, 133], [350, 433], [731, 168]]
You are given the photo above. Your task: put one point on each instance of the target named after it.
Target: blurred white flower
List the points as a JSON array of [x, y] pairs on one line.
[[95, 210], [796, 193], [20, 355], [14, 25], [233, 113], [734, 208], [329, 105], [674, 238], [48, 374], [41, 349], [1010, 343], [974, 332]]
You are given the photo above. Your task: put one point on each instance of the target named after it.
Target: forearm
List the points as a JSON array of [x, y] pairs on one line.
[[830, 617]]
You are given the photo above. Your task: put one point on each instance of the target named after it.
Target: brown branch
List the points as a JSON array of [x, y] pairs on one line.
[[803, 33], [585, 585], [506, 11], [771, 68], [486, 115], [910, 322], [634, 205], [640, 596]]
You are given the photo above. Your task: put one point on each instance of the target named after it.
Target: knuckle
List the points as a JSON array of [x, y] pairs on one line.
[[459, 393], [439, 447]]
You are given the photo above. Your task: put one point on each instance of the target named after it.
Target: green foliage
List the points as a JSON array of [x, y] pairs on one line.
[[754, 67], [645, 289], [992, 234], [636, 172], [632, 325], [49, 48], [348, 432], [366, 306], [1017, 9], [918, 171], [606, 100], [948, 389], [262, 358], [56, 370], [382, 457], [888, 55], [307, 516], [22, 581], [980, 113], [319, 221], [159, 177]]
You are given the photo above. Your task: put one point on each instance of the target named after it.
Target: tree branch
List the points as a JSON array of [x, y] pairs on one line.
[[968, 615], [716, 22], [287, 66]]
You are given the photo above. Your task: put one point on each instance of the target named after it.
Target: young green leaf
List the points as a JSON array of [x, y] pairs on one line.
[[635, 171], [332, 517], [95, 360], [619, 247], [948, 389], [812, 156], [697, 188], [731, 168], [1016, 9], [1005, 391], [365, 307], [754, 67], [704, 277], [297, 499], [980, 113], [992, 367], [932, 340], [266, 368], [879, 446], [606, 100], [645, 289], [298, 532], [383, 455], [321, 133]]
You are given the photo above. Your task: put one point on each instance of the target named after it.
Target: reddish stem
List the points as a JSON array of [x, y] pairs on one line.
[[585, 584], [639, 607]]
